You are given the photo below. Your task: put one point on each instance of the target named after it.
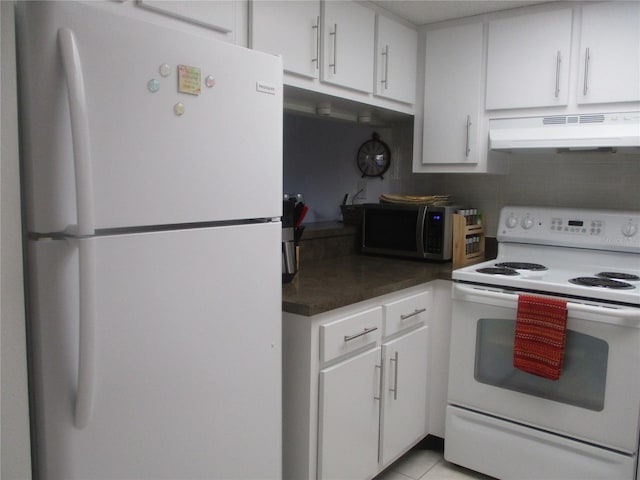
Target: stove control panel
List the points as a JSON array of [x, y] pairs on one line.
[[580, 227], [596, 229]]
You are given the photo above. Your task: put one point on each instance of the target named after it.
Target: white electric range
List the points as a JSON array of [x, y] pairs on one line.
[[511, 424]]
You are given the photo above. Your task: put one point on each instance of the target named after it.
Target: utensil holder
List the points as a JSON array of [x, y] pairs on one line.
[[352, 214]]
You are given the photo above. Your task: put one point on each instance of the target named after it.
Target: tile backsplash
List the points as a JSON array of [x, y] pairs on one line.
[[577, 180]]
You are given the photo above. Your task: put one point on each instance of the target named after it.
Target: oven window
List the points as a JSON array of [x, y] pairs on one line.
[[584, 372]]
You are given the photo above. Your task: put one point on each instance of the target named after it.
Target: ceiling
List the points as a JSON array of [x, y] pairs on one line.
[[421, 12]]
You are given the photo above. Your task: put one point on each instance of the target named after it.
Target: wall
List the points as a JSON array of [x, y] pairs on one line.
[[15, 460], [320, 162]]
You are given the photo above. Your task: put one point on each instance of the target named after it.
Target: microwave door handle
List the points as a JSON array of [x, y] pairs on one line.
[[420, 232]]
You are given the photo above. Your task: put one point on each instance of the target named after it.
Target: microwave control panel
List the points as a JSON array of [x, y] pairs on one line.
[[434, 239]]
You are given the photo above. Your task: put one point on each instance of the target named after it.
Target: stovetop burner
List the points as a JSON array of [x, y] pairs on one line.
[[541, 248], [619, 276], [601, 282], [497, 271], [522, 266]]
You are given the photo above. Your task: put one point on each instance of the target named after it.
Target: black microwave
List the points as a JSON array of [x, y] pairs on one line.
[[418, 231]]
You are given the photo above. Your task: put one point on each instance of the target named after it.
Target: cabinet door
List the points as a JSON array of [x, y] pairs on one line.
[[610, 53], [528, 60], [396, 57], [348, 45], [404, 410], [453, 88], [290, 29], [349, 413]]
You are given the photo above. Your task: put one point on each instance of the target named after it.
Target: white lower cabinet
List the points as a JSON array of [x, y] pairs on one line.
[[404, 399], [348, 420], [355, 385]]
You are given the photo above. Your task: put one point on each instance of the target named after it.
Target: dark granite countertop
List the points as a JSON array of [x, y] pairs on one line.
[[324, 285]]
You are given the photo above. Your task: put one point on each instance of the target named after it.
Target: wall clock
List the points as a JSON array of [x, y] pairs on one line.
[[374, 157]]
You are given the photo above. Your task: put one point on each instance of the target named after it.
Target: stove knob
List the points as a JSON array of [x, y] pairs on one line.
[[629, 230], [511, 221], [527, 222]]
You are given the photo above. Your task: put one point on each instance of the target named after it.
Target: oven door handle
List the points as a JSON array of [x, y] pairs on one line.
[[611, 314]]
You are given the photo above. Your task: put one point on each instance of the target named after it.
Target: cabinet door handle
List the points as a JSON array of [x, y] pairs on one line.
[[348, 338], [587, 57], [417, 311], [385, 54], [335, 48], [317, 29], [395, 374], [558, 61], [379, 370], [467, 148]]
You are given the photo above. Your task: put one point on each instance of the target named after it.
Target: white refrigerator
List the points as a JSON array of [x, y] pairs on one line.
[[152, 168]]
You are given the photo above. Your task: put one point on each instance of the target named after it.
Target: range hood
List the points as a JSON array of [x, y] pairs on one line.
[[560, 133]]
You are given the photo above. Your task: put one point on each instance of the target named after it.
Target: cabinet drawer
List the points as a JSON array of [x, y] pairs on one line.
[[406, 312], [350, 333]]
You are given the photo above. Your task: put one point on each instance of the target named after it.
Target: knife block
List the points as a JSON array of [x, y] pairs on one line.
[[468, 242]]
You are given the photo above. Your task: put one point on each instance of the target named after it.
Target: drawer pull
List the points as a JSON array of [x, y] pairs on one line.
[[417, 311], [348, 338]]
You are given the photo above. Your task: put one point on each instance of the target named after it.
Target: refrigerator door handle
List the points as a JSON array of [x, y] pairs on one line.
[[87, 333], [79, 131]]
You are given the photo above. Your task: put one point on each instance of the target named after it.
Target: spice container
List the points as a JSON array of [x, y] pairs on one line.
[[468, 237]]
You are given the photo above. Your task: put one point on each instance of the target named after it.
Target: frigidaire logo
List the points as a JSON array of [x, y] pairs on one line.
[[264, 88]]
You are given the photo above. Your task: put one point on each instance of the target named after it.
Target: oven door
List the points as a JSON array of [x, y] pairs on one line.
[[596, 399]]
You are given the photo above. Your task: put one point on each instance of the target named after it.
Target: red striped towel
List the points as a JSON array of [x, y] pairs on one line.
[[541, 330]]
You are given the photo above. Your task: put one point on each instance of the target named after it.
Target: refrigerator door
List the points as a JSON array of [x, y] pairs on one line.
[[186, 356], [135, 124]]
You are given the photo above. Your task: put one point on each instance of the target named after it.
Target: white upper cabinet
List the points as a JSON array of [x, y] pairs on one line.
[[528, 60], [339, 48], [348, 45], [610, 53], [396, 54], [292, 30], [216, 15], [452, 95]]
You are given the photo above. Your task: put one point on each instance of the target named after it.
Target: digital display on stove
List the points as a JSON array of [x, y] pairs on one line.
[[576, 223]]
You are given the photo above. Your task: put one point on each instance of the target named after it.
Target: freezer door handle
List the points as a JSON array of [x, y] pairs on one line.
[[87, 333], [79, 131]]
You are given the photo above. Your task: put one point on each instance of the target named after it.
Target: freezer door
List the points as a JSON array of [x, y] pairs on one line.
[[166, 127], [187, 356]]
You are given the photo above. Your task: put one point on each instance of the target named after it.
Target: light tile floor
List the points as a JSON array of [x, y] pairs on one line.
[[420, 464]]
